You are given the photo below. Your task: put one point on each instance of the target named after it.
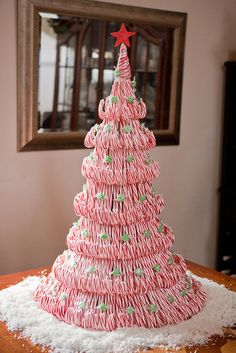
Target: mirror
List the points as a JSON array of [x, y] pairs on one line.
[[66, 61]]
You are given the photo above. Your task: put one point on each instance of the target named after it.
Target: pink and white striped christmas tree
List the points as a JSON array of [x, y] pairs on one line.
[[119, 270]]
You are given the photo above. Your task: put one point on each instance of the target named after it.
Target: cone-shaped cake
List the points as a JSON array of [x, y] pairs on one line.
[[119, 270]]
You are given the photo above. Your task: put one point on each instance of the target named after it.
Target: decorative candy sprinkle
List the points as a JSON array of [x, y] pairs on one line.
[[120, 197], [91, 269], [116, 72], [143, 127], [108, 159], [157, 268], [147, 233], [97, 127], [84, 187], [130, 310], [103, 307], [130, 158], [152, 308], [127, 129], [125, 237], [76, 224], [54, 288], [51, 280], [74, 263], [104, 236], [171, 298], [138, 272], [133, 83], [142, 198], [130, 99], [170, 261], [90, 156], [84, 233], [82, 305], [183, 293], [116, 272], [100, 196], [160, 228], [63, 296], [107, 128], [148, 160], [114, 99]]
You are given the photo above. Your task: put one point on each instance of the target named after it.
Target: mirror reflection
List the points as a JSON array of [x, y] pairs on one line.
[[76, 68]]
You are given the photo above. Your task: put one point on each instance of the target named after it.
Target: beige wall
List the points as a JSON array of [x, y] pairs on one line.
[[37, 188]]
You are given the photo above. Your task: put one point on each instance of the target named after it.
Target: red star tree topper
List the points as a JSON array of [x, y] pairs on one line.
[[122, 36]]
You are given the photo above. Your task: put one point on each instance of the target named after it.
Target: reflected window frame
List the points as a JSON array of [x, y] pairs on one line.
[[28, 136]]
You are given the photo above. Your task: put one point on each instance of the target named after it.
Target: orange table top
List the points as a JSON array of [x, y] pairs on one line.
[[10, 342]]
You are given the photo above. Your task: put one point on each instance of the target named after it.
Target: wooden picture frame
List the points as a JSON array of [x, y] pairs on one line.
[[28, 137]]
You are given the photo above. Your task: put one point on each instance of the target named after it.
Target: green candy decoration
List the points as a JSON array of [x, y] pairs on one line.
[[171, 299], [74, 264], [130, 310], [183, 293], [76, 224], [107, 127], [170, 261], [116, 72], [84, 233], [108, 159], [114, 99], [91, 269], [143, 127], [133, 83], [103, 307], [116, 272], [160, 228], [130, 158], [90, 156], [148, 160], [147, 233], [157, 268], [127, 129], [63, 296], [104, 236], [138, 272], [130, 99], [120, 197], [100, 196], [82, 305], [152, 308], [125, 238], [142, 198]]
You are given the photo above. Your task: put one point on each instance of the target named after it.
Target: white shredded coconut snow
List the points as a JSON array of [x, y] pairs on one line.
[[21, 312]]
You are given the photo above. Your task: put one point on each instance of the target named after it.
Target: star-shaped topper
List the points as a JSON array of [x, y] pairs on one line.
[[122, 36]]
